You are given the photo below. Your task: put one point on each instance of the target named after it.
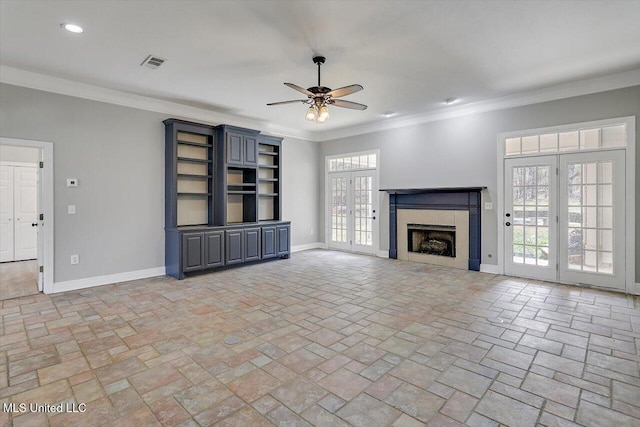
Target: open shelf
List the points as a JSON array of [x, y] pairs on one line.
[[194, 194], [268, 179], [268, 194], [192, 176], [240, 192], [192, 160], [268, 153], [194, 144], [268, 166]]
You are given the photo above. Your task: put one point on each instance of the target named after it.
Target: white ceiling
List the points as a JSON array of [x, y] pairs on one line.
[[232, 57]]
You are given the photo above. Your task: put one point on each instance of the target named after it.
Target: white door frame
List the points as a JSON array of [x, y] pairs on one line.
[[630, 171], [327, 199], [45, 259]]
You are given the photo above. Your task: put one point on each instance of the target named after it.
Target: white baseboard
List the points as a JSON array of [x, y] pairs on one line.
[[72, 285], [637, 292], [382, 254], [489, 268], [307, 246]]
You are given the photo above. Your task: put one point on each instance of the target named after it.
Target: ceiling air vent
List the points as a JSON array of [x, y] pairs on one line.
[[153, 62]]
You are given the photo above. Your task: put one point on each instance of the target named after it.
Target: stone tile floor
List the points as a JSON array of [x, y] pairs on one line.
[[326, 339]]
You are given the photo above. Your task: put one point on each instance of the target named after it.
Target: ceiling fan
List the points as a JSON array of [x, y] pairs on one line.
[[320, 97]]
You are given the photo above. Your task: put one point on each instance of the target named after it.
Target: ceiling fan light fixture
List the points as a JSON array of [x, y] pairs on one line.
[[450, 101], [323, 115], [311, 114]]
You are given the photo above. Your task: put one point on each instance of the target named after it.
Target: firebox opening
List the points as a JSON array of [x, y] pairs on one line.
[[432, 239]]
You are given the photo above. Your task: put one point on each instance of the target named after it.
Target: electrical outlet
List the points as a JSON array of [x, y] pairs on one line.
[[72, 182], [72, 209], [75, 259], [488, 206]]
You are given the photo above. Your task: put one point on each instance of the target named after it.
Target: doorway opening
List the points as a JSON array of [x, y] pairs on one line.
[[26, 200]]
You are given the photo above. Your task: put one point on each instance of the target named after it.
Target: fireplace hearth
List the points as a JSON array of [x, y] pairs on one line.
[[432, 239]]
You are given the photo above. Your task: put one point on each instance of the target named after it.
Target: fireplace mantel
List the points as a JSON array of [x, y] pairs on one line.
[[450, 198]]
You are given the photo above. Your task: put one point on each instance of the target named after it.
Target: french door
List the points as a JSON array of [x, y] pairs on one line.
[[530, 217], [353, 204], [564, 218]]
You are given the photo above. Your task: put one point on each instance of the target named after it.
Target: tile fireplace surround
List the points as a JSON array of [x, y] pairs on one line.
[[405, 205]]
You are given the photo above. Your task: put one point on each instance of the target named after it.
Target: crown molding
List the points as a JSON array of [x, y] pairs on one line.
[[29, 79], [32, 80], [552, 93]]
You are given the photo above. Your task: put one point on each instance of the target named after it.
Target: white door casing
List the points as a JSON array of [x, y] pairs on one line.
[[25, 213], [6, 214]]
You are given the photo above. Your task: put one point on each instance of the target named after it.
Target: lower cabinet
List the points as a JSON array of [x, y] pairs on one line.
[[269, 249], [202, 249], [252, 244], [234, 240], [213, 249], [192, 251], [283, 239]]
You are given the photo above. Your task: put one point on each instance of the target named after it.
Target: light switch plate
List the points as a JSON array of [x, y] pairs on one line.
[[488, 206], [75, 259], [72, 182], [72, 209]]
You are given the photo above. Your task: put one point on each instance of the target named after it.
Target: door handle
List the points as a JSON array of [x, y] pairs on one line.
[[34, 224], [507, 223], [374, 217], [507, 214]]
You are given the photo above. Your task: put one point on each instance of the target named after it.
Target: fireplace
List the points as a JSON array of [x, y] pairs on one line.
[[444, 207], [430, 239]]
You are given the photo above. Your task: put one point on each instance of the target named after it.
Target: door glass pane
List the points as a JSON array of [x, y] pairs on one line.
[[590, 240], [363, 210], [512, 146], [549, 142], [530, 201], [530, 144], [568, 141], [339, 209], [589, 138], [614, 136]]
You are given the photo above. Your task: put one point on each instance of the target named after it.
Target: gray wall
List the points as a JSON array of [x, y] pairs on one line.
[[117, 155], [463, 151], [301, 184], [9, 153]]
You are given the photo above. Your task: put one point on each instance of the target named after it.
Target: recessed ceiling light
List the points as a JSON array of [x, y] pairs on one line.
[[72, 28], [450, 101], [389, 114]]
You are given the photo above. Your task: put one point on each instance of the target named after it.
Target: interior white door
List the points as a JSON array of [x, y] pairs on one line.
[[364, 192], [592, 218], [530, 217], [339, 210], [6, 214], [26, 213]]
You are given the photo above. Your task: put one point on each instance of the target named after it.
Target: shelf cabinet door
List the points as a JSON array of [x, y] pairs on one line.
[[283, 239], [214, 249], [269, 249], [192, 251], [250, 151], [235, 148], [251, 244], [234, 246]]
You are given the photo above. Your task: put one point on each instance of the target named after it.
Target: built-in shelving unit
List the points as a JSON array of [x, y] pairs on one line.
[[222, 203], [269, 152]]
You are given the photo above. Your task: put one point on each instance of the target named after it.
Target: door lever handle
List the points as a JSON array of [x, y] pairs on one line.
[[34, 224]]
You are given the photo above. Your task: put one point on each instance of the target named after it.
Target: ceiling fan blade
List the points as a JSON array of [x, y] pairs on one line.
[[344, 91], [300, 89], [347, 104], [288, 102]]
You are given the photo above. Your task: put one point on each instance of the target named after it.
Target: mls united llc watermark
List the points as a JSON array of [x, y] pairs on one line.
[[44, 407]]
